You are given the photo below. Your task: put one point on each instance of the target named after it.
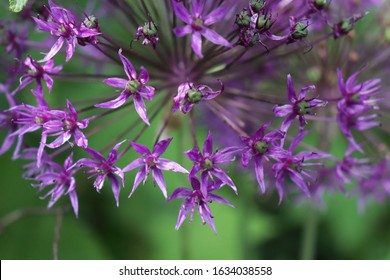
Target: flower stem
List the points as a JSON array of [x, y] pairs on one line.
[[309, 237]]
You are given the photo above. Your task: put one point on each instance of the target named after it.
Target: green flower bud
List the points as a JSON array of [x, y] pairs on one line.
[[320, 4], [194, 96], [133, 86], [91, 22], [207, 164], [243, 18], [303, 108], [257, 5], [150, 29], [300, 31], [261, 147], [263, 22]]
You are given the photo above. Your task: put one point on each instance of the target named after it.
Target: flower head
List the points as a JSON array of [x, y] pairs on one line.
[[151, 161], [135, 87]]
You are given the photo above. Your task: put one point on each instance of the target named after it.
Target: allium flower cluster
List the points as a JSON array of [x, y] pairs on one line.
[[216, 66]]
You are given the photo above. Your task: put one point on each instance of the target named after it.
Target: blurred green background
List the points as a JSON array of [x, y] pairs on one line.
[[143, 227]]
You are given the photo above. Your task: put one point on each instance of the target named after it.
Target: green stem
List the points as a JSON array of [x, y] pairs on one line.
[[309, 237]]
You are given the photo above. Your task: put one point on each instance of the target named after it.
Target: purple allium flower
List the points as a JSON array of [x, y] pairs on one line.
[[28, 119], [352, 167], [299, 107], [64, 126], [38, 72], [62, 23], [149, 32], [196, 198], [103, 168], [207, 161], [356, 105], [261, 146], [132, 87], [298, 29], [188, 95], [197, 24], [293, 166], [151, 161], [61, 177]]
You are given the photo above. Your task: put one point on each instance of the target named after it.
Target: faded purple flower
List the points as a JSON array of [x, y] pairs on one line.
[[197, 24], [151, 161], [103, 168], [207, 161], [356, 105], [293, 166], [133, 87], [61, 177], [62, 24], [261, 146], [148, 31], [196, 198], [299, 107], [188, 95]]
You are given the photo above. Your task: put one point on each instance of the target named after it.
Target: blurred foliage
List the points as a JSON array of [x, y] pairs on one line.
[[143, 227]]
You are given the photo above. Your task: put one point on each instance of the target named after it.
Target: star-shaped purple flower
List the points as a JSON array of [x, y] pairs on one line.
[[198, 24], [151, 161], [261, 146], [207, 162], [64, 128], [188, 95], [134, 87], [196, 198], [62, 23], [61, 177], [103, 168], [356, 105], [293, 166], [299, 107]]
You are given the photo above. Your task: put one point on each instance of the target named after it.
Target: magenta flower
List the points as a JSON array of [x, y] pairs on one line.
[[66, 127], [261, 146], [132, 87], [151, 161], [38, 72], [61, 177], [197, 24], [188, 95], [293, 166], [103, 168], [196, 198], [356, 105], [207, 162], [299, 107], [62, 23]]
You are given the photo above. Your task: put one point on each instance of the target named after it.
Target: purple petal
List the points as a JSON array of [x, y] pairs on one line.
[[197, 7], [95, 154], [287, 122], [141, 175], [281, 111], [49, 81], [159, 179], [215, 38], [180, 193], [220, 174], [113, 155], [75, 202], [246, 156], [194, 155], [291, 94], [297, 140], [208, 145], [70, 46], [161, 147], [196, 44], [205, 214], [143, 75], [129, 68], [259, 170], [215, 16], [298, 180], [219, 199], [168, 165], [140, 149], [115, 185], [116, 82], [303, 91], [181, 12], [134, 164], [54, 50], [226, 154], [117, 102], [140, 107], [80, 139], [182, 30], [146, 92], [59, 141]]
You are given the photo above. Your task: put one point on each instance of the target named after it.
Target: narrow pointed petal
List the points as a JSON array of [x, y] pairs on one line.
[[140, 107], [54, 50], [116, 82], [141, 175], [259, 170], [134, 164], [196, 44], [181, 12], [115, 186], [117, 102], [208, 144], [159, 179], [182, 30], [215, 38], [128, 67], [161, 147], [165, 164]]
